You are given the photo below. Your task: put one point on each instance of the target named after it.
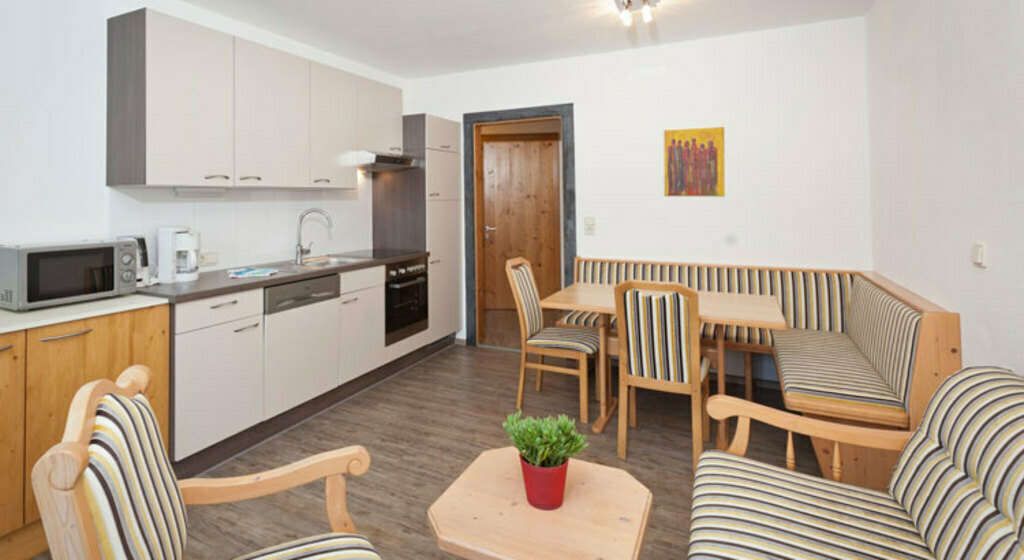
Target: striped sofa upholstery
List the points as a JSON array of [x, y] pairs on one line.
[[810, 299], [136, 506], [655, 334], [957, 493]]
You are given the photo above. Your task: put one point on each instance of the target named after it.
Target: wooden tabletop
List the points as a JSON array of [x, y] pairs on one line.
[[715, 307], [484, 514]]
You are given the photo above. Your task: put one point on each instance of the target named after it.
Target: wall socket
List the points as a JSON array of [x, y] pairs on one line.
[[208, 259], [589, 225]]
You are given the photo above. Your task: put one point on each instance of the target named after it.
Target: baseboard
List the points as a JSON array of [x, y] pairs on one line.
[[228, 448]]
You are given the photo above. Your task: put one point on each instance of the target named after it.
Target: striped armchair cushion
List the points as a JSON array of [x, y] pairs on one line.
[[129, 485], [331, 546], [743, 509], [809, 299], [885, 330], [654, 328], [961, 476], [524, 285]]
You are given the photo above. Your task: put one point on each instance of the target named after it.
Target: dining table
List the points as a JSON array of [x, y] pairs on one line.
[[721, 309]]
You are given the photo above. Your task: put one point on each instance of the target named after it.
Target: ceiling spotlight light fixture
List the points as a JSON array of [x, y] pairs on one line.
[[627, 7]]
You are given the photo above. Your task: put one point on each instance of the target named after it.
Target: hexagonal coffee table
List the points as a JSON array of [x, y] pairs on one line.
[[484, 513]]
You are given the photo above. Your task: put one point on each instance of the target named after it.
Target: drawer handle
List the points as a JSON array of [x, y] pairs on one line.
[[321, 181], [250, 327], [395, 149], [435, 261], [225, 304], [433, 194], [348, 301], [250, 178], [6, 348], [65, 336], [218, 176]]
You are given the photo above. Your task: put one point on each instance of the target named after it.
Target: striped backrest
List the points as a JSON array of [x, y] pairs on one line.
[[129, 485], [961, 476], [810, 299], [655, 328], [523, 284], [885, 330]]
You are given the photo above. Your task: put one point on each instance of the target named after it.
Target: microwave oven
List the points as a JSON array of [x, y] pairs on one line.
[[36, 276]]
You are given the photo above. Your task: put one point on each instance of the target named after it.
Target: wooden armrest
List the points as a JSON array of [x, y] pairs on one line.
[[721, 407], [332, 466]]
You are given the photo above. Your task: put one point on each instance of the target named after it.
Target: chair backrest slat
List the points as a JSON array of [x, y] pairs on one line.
[[659, 331], [524, 291]]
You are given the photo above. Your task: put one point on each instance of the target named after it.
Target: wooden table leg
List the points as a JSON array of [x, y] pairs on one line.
[[723, 426], [604, 387]]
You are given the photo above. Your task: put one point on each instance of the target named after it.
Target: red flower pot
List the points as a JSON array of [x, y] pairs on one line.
[[545, 486]]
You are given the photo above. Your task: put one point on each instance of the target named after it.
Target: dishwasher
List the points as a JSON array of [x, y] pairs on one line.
[[301, 332]]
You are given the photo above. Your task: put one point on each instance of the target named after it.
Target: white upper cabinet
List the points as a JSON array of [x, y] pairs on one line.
[[332, 127], [271, 117], [442, 134], [443, 175], [379, 120], [170, 108]]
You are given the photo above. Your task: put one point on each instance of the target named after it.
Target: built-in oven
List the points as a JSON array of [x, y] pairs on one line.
[[35, 276], [405, 299]]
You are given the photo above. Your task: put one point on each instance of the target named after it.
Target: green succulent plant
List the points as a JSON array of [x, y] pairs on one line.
[[544, 442]]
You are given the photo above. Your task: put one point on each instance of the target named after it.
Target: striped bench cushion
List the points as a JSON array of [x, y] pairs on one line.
[[129, 485], [829, 365], [961, 476], [584, 319], [746, 509], [578, 340], [330, 546], [885, 330]]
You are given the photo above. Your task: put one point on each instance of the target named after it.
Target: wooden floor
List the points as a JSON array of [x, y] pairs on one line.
[[422, 427]]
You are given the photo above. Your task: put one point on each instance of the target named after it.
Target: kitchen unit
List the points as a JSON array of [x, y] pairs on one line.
[[188, 106], [45, 357]]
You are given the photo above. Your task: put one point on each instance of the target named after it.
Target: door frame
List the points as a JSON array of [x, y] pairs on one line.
[[469, 137]]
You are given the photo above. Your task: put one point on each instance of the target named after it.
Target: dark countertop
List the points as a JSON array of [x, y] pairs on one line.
[[216, 282]]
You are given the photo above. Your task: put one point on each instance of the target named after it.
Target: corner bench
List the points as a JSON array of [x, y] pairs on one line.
[[859, 349]]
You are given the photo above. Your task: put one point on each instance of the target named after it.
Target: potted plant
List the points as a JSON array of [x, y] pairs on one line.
[[545, 446]]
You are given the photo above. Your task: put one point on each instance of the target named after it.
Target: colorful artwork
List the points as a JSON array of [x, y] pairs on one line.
[[695, 162]]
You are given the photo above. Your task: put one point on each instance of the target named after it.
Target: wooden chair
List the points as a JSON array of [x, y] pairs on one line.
[[659, 349], [107, 489], [957, 490], [547, 342]]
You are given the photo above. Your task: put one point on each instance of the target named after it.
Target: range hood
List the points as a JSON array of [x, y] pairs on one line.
[[374, 162]]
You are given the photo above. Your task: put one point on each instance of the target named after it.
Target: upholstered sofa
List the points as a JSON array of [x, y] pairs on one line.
[[957, 491]]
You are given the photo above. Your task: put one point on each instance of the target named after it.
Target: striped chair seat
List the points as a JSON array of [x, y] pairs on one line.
[[330, 546], [579, 340], [829, 366], [746, 509]]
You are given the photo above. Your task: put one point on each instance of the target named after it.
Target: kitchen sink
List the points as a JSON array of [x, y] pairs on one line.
[[323, 262]]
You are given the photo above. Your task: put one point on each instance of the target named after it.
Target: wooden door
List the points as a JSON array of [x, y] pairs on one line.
[[12, 431], [60, 359], [271, 117], [521, 217], [332, 127], [189, 103]]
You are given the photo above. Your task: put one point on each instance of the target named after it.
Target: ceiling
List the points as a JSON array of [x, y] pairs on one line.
[[417, 38]]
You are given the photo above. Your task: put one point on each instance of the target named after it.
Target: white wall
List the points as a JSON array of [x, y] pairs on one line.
[[793, 104], [946, 89], [53, 138]]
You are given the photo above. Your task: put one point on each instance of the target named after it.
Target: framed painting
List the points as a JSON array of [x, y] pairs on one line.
[[695, 162]]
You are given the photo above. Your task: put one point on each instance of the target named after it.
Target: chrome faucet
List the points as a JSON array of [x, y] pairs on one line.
[[302, 250]]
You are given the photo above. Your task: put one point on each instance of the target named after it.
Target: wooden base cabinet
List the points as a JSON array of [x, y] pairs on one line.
[[40, 371]]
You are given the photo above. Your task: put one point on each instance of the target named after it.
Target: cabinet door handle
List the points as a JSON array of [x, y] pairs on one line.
[[321, 181], [218, 176], [395, 149], [65, 336], [6, 348], [250, 178], [446, 146], [348, 301], [433, 194], [247, 328], [225, 304], [435, 261]]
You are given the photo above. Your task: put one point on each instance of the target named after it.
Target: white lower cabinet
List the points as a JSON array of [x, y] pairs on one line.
[[301, 355], [362, 333], [218, 383], [445, 297]]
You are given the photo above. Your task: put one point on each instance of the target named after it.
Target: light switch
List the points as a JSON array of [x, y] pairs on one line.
[[589, 225], [978, 255]]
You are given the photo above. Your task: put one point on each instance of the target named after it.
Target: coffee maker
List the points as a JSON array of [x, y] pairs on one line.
[[177, 255]]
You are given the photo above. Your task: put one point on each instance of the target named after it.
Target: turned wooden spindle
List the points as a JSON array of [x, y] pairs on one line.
[[790, 455], [837, 462]]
